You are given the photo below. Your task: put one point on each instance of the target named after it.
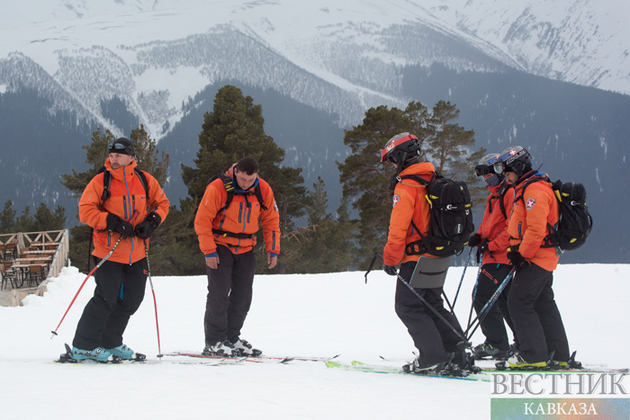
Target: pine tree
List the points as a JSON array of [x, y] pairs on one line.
[[325, 244], [233, 130], [45, 219], [7, 218], [366, 181], [449, 148], [25, 222]]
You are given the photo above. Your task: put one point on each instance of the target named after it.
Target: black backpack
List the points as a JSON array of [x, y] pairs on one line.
[[451, 220], [575, 221]]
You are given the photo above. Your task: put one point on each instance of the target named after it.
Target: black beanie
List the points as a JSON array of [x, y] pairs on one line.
[[122, 146]]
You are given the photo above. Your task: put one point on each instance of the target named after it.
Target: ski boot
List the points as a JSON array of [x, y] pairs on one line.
[[243, 348], [220, 348]]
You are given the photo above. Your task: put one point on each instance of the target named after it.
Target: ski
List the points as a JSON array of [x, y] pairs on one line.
[[357, 366], [253, 359], [584, 369], [572, 366]]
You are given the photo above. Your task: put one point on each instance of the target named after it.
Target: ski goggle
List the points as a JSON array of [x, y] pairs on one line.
[[495, 168], [121, 148]]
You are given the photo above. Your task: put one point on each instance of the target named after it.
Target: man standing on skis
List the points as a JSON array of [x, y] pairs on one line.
[[226, 223], [537, 321], [431, 336], [492, 241], [123, 219]]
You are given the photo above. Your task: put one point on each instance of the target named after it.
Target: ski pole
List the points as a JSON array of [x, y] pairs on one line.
[[460, 281], [133, 216], [157, 325], [486, 308], [427, 304], [371, 265], [474, 295]]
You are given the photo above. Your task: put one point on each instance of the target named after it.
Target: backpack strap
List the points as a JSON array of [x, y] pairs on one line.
[[502, 191], [107, 182], [228, 184], [143, 179], [418, 247], [550, 240]]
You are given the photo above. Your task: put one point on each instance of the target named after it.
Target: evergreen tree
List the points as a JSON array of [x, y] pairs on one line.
[[449, 148], [45, 219], [147, 155], [325, 245], [96, 154], [25, 222], [366, 181], [7, 218], [233, 130]]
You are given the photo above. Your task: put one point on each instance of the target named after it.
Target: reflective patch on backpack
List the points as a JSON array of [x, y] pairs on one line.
[[396, 199], [530, 203]]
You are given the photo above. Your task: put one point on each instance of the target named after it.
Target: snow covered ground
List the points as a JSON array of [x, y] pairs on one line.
[[292, 315]]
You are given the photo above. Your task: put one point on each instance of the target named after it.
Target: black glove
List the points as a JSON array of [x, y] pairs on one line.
[[516, 259], [474, 240], [482, 248], [116, 224], [145, 229], [391, 270]]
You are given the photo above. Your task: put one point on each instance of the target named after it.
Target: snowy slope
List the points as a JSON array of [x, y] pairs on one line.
[[317, 315], [342, 56]]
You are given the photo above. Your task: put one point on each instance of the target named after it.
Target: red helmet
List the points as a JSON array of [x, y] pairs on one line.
[[401, 148]]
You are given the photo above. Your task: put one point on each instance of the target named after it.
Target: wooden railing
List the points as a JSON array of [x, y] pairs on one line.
[[57, 238]]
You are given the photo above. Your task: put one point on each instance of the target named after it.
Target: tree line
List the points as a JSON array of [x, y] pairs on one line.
[[314, 239]]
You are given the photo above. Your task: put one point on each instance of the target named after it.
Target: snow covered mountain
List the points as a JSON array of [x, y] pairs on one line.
[[342, 57], [553, 76]]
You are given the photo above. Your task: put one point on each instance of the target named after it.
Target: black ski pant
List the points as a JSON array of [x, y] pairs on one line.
[[490, 278], [535, 315], [431, 336], [229, 295], [118, 295]]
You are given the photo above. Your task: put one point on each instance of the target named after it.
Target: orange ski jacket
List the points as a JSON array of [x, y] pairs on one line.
[[494, 225], [241, 217], [528, 225], [127, 195], [410, 204]]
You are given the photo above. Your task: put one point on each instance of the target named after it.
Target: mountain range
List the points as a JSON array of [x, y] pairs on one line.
[[552, 76]]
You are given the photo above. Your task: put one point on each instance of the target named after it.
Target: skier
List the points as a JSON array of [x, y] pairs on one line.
[[535, 315], [430, 335], [492, 240], [121, 280], [226, 224]]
